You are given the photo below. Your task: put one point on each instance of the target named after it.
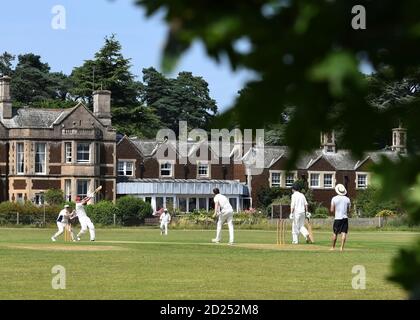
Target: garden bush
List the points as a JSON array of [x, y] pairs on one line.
[[369, 203], [321, 213], [132, 211], [54, 196], [103, 213]]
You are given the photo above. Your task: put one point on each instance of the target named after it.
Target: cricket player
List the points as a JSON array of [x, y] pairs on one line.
[[340, 206], [165, 219], [298, 209], [224, 211], [84, 220], [62, 222]]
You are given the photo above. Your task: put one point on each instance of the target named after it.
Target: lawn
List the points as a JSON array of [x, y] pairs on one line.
[[139, 263]]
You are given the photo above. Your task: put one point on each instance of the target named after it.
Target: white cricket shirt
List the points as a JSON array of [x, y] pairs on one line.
[[341, 204]]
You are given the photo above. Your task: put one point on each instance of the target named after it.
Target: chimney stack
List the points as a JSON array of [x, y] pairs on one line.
[[328, 142], [5, 99], [102, 106], [399, 139]]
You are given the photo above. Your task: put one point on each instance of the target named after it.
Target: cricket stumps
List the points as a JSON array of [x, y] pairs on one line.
[[281, 231]]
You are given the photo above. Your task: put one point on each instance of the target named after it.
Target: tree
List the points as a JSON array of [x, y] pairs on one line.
[[109, 70], [31, 80], [185, 98], [6, 60], [54, 196], [307, 55]]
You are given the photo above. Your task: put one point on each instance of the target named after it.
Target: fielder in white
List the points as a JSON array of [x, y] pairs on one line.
[[298, 209], [62, 221], [224, 211], [165, 219], [85, 222]]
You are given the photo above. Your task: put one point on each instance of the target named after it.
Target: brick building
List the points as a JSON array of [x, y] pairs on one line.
[[70, 149], [76, 150]]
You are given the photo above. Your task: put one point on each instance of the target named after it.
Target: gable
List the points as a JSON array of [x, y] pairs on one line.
[[127, 150], [365, 166], [280, 164], [80, 117], [321, 165]]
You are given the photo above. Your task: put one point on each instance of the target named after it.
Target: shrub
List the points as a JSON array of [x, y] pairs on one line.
[[103, 212], [385, 213], [132, 211], [369, 202], [321, 213], [54, 196], [266, 195]]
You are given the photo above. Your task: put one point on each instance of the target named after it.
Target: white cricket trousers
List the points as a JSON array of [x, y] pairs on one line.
[[85, 224], [164, 227], [298, 226], [225, 217], [61, 227]]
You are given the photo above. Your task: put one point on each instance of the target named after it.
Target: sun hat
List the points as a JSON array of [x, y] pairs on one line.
[[340, 189]]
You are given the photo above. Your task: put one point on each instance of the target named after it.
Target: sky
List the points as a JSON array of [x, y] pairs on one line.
[[27, 26]]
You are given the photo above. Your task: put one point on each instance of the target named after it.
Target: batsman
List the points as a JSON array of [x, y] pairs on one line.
[[84, 220]]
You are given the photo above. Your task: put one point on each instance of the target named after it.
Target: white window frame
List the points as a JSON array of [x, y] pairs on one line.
[[321, 184], [23, 157], [89, 152], [68, 154], [270, 179], [318, 186], [172, 169], [67, 189], [207, 175], [332, 180], [124, 169], [77, 186], [362, 173], [286, 173], [45, 158]]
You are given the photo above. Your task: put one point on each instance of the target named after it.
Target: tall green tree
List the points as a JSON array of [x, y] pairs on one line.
[[185, 98], [108, 70], [6, 61], [307, 54]]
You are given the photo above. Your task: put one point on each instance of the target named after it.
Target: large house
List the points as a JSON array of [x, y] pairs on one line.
[[69, 149], [76, 150]]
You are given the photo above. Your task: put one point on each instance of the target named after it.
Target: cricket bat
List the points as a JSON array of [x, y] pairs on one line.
[[311, 236], [97, 190]]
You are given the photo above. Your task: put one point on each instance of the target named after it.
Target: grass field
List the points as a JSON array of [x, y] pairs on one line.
[[142, 264]]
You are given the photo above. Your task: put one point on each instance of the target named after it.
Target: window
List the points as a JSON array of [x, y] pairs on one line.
[[125, 168], [182, 204], [68, 151], [83, 152], [314, 180], [20, 158], [290, 179], [19, 198], [361, 181], [169, 203], [166, 169], [39, 199], [40, 158], [67, 189], [203, 170], [159, 203], [202, 203], [192, 203], [82, 188], [328, 180], [232, 202], [275, 179]]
